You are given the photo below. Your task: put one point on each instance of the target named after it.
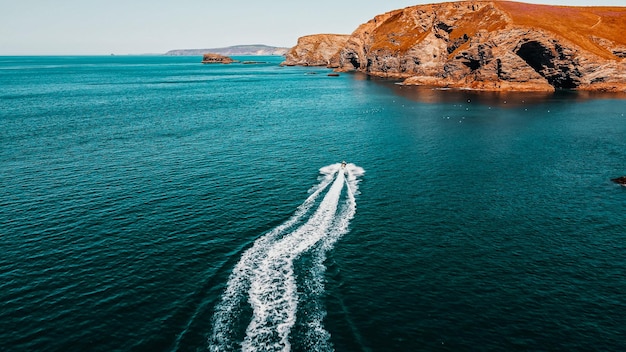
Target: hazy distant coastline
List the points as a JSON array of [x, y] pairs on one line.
[[235, 50]]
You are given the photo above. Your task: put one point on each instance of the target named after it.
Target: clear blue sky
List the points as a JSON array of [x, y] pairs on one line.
[[48, 27]]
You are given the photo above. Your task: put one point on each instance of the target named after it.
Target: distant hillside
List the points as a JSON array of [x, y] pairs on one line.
[[259, 50]]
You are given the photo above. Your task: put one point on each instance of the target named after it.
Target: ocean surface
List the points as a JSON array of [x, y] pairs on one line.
[[157, 204]]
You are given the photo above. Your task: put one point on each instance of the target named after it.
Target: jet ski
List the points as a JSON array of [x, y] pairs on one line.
[[343, 164]]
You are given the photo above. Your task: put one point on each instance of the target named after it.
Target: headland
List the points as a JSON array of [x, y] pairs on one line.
[[482, 45]]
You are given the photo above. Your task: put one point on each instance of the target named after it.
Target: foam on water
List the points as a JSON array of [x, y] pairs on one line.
[[265, 273], [317, 338]]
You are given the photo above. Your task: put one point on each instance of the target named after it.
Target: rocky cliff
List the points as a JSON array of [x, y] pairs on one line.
[[316, 50], [490, 45]]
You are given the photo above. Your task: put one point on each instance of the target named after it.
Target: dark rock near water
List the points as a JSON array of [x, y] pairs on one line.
[[620, 180]]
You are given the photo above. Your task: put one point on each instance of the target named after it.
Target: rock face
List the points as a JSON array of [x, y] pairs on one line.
[[216, 59], [491, 45], [316, 50]]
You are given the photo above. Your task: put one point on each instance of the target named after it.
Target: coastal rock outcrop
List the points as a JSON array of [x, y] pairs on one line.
[[491, 45], [316, 50], [216, 59]]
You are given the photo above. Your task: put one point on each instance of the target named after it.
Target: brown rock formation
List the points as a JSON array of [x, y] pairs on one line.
[[493, 45], [216, 59], [316, 50]]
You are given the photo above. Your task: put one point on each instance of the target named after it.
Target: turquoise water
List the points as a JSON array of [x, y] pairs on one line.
[[153, 203]]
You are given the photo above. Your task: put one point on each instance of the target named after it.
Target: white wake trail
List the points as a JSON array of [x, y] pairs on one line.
[[318, 339], [266, 271], [229, 309], [273, 294]]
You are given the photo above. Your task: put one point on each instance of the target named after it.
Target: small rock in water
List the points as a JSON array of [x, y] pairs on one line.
[[216, 59], [620, 180]]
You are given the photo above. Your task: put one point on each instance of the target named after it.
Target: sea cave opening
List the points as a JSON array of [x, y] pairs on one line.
[[354, 61], [542, 60]]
